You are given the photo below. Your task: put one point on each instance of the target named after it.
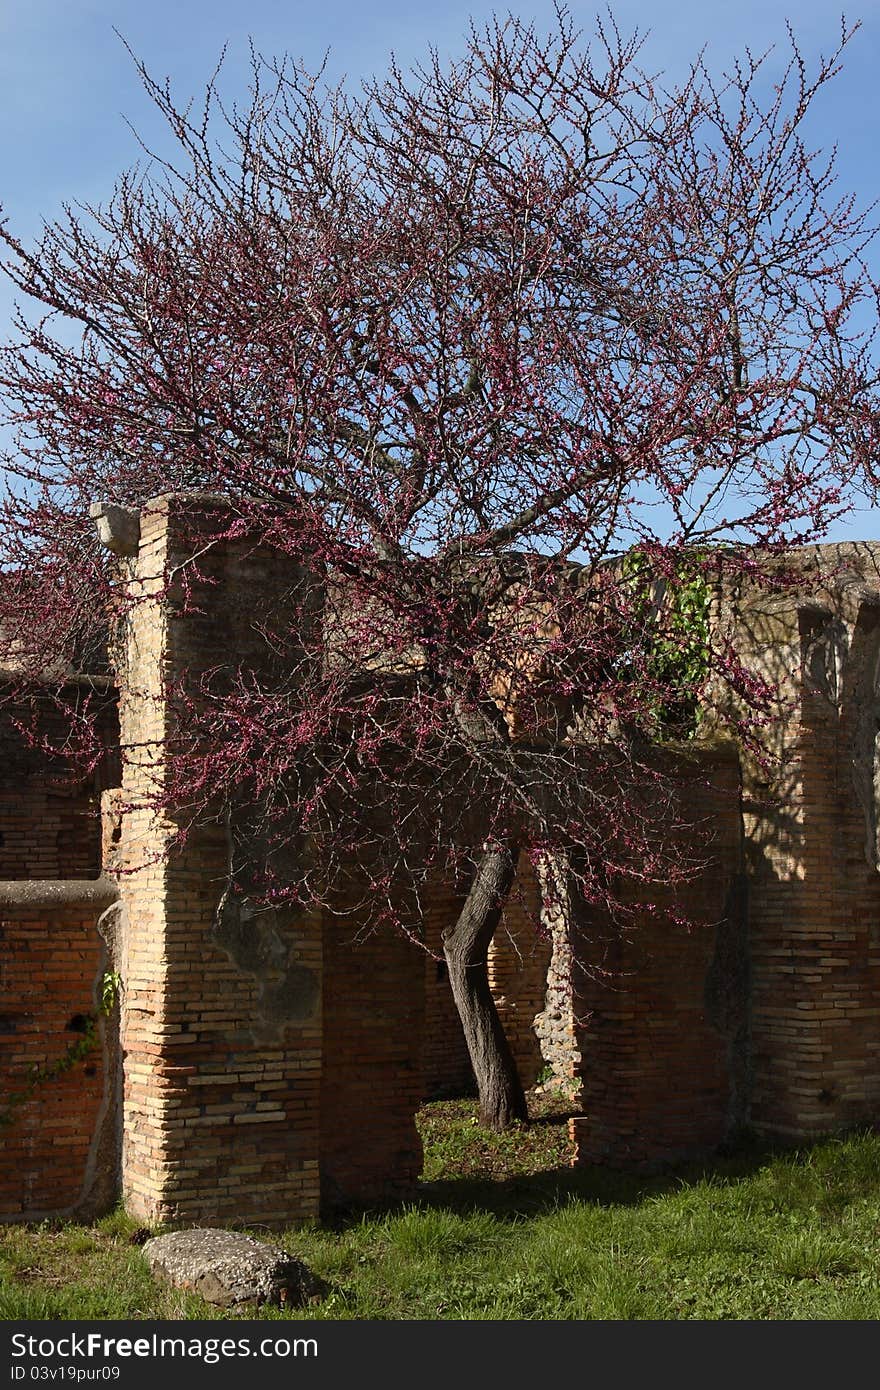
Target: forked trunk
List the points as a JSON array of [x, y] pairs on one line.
[[466, 948]]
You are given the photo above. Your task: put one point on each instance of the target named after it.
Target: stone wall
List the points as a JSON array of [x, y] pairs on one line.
[[555, 1025]]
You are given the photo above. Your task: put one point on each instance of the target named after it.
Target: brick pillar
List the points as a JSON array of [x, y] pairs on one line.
[[221, 1021], [812, 851]]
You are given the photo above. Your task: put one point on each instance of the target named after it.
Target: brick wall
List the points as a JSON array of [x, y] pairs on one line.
[[50, 967], [58, 1146], [447, 1066], [273, 1063], [50, 814], [222, 1032], [518, 960], [661, 1010], [238, 1086], [811, 836], [372, 1077]]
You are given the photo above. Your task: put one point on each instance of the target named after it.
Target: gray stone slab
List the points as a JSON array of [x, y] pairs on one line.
[[229, 1268]]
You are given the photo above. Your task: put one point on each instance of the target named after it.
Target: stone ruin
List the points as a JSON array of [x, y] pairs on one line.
[[266, 1069]]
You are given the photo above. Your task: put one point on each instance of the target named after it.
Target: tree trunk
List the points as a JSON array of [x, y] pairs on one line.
[[466, 948]]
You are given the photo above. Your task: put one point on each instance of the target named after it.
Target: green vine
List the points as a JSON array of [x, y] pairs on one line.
[[77, 1051], [111, 983], [671, 627]]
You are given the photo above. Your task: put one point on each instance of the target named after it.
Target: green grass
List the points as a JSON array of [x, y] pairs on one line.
[[502, 1228]]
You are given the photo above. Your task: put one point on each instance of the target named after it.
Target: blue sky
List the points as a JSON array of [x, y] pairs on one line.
[[67, 85]]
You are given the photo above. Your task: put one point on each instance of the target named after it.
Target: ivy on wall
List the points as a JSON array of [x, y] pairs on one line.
[[669, 637], [87, 1040]]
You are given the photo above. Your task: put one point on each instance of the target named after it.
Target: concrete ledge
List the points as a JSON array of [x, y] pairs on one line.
[[57, 892]]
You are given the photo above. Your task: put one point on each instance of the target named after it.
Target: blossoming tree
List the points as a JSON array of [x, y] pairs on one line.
[[523, 354]]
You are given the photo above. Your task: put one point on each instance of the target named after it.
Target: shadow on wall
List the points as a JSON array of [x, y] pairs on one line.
[[811, 849]]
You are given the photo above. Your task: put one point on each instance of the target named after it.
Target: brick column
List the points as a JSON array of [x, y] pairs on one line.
[[221, 1019], [811, 851]]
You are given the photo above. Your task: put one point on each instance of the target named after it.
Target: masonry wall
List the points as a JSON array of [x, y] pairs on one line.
[[811, 847], [262, 1046], [372, 1076], [50, 967], [222, 1032], [49, 814], [447, 1066], [661, 1010], [518, 960], [517, 964], [274, 1060], [58, 1137], [555, 1025]]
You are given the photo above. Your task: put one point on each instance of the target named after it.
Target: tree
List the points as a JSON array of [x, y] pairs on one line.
[[463, 342]]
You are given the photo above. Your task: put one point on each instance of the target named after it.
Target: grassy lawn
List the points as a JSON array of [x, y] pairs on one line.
[[502, 1228]]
